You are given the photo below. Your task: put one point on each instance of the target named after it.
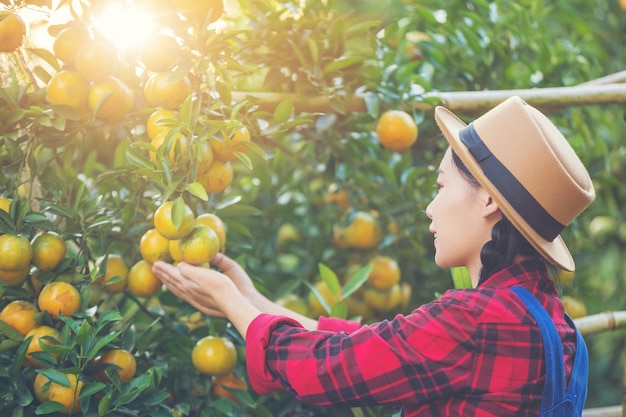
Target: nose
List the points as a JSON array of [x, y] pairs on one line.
[[429, 210]]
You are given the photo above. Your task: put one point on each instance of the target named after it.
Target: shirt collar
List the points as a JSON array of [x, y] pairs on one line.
[[532, 274]]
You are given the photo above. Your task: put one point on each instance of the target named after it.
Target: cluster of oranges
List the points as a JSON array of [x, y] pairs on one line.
[[213, 156], [38, 320]]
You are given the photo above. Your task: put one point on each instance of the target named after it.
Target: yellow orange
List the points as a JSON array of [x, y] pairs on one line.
[[20, 315], [223, 386], [214, 222], [199, 246], [364, 232], [59, 298], [115, 277], [154, 247], [68, 396], [122, 359], [315, 306], [383, 300], [141, 280], [41, 386], [5, 204], [15, 256], [159, 121], [68, 41], [178, 154], [41, 335], [95, 60], [12, 31], [110, 99], [225, 149], [164, 221], [167, 89], [213, 355], [217, 178], [67, 88], [160, 53], [385, 272], [396, 130], [48, 251]]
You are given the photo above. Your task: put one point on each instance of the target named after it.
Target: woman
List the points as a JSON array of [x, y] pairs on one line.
[[507, 185]]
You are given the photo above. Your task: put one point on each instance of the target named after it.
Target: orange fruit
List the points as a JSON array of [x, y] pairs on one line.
[[95, 60], [141, 280], [315, 306], [15, 256], [206, 11], [59, 298], [217, 178], [214, 222], [385, 272], [164, 221], [42, 335], [115, 267], [204, 157], [160, 121], [565, 277], [338, 196], [20, 315], [199, 246], [167, 89], [5, 204], [41, 387], [225, 149], [179, 148], [364, 232], [193, 321], [396, 130], [383, 300], [213, 355], [12, 31], [154, 247], [175, 252], [67, 88], [68, 396], [222, 386], [622, 4], [123, 360], [48, 251], [68, 41], [160, 53], [110, 99], [287, 232]]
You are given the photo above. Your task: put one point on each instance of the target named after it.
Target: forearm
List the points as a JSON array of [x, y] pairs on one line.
[[264, 305]]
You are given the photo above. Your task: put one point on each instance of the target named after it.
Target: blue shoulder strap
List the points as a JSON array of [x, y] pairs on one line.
[[556, 400]]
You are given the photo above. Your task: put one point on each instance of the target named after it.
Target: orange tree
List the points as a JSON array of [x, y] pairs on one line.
[[98, 133]]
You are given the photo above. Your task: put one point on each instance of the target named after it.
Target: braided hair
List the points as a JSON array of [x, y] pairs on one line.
[[506, 241]]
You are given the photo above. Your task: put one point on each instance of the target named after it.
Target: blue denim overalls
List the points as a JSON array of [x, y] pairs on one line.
[[556, 400]]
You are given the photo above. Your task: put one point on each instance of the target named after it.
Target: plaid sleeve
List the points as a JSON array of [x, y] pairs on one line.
[[408, 359]]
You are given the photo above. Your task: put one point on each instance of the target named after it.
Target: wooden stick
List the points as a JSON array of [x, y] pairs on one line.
[[611, 411], [596, 323], [591, 93]]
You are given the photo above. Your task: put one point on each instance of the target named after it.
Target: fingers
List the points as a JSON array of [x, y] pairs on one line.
[[225, 264]]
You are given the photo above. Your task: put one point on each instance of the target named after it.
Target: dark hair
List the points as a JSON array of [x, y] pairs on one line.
[[506, 241]]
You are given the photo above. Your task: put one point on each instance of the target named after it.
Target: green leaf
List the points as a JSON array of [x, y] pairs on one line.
[[49, 407], [283, 112], [319, 296], [339, 310], [356, 280], [84, 332], [196, 189], [342, 63], [178, 211], [330, 278], [461, 277]]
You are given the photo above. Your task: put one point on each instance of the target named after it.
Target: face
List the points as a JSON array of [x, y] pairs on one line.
[[461, 218]]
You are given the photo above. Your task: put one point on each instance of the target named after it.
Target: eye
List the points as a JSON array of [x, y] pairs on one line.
[[438, 186]]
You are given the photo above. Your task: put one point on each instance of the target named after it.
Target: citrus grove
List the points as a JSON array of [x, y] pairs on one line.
[[195, 127]]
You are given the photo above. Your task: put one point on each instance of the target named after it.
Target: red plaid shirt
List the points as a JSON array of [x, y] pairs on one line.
[[473, 352]]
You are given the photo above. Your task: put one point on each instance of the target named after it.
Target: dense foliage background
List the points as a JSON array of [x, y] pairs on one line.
[[93, 182]]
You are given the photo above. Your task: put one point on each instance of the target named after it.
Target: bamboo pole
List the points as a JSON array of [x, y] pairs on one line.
[[591, 93], [596, 323], [612, 411]]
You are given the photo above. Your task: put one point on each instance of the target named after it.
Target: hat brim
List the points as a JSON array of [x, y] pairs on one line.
[[554, 251]]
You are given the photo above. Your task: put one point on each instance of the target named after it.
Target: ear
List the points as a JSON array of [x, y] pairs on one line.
[[489, 205]]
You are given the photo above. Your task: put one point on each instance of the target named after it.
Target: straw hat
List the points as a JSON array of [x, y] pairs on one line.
[[528, 168]]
